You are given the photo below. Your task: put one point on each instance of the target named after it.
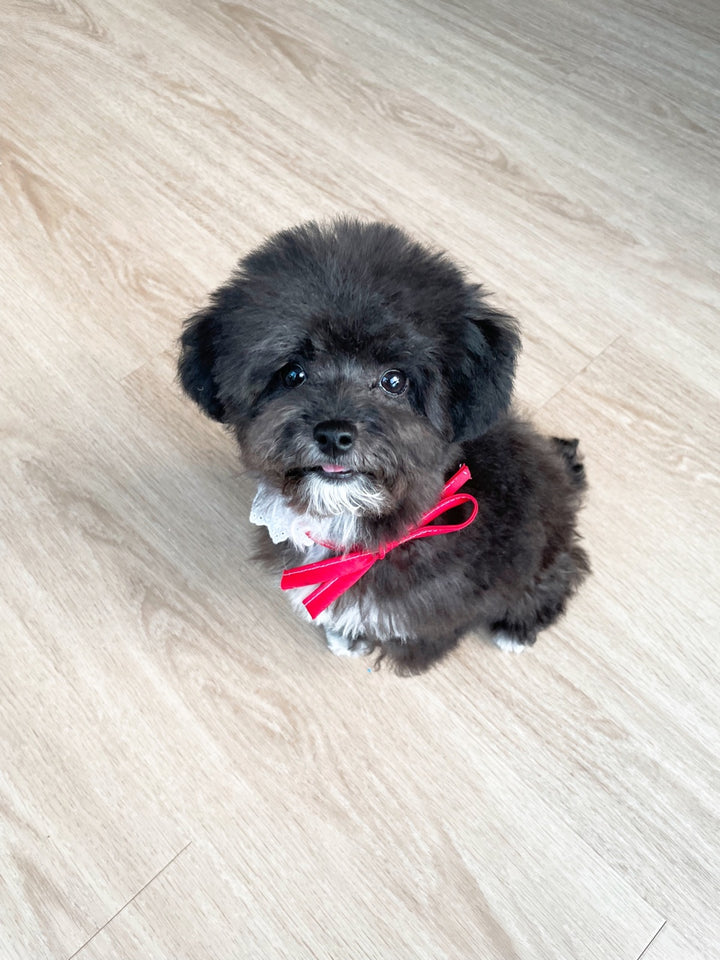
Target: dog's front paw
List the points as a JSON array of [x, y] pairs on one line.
[[508, 643], [343, 646]]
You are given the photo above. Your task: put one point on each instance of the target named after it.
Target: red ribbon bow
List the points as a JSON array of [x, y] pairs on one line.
[[338, 574]]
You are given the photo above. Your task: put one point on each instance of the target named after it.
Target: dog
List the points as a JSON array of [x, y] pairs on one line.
[[368, 384]]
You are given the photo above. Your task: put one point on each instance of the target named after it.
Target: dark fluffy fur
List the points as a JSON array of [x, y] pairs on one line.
[[348, 301]]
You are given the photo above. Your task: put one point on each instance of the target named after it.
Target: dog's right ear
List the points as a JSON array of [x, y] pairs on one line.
[[196, 365]]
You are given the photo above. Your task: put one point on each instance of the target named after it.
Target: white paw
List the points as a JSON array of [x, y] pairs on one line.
[[340, 645], [507, 642]]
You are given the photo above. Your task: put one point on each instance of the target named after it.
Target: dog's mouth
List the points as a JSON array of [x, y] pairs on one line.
[[331, 473], [334, 471]]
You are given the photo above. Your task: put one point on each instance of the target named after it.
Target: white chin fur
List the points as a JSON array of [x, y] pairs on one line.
[[356, 496]]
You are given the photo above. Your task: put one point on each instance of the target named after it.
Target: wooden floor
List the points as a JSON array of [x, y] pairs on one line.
[[187, 774]]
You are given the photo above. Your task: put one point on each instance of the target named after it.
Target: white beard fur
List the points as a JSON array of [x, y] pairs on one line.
[[353, 497]]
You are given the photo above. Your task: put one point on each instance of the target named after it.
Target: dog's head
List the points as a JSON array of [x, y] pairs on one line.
[[350, 362]]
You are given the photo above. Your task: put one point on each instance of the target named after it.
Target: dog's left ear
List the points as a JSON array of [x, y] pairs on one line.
[[198, 346], [481, 378]]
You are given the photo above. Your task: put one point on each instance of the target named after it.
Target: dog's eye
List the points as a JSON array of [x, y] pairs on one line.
[[292, 375], [393, 382]]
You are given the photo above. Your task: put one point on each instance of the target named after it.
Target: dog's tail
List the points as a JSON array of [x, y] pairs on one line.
[[568, 450]]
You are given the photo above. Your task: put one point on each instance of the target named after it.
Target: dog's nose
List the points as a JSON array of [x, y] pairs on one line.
[[334, 436]]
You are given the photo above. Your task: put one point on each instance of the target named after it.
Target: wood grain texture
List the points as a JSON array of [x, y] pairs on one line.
[[186, 772]]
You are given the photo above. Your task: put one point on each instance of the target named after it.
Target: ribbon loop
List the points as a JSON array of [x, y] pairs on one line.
[[338, 574]]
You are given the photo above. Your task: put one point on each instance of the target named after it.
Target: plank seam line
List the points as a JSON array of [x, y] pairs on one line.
[[652, 941], [134, 896]]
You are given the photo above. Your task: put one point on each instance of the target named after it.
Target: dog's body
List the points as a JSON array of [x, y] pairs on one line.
[[358, 370]]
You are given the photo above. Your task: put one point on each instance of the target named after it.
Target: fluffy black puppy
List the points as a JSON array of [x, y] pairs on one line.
[[358, 370]]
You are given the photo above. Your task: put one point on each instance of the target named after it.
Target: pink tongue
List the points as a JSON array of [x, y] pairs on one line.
[[333, 468]]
